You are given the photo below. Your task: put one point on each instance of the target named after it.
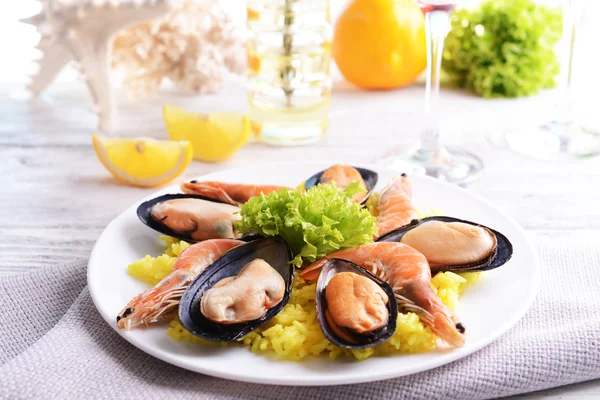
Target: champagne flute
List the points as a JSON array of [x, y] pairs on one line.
[[450, 164], [562, 137]]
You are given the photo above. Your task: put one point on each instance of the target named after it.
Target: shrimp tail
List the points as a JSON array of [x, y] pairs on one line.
[[311, 273], [449, 331], [159, 303], [395, 206], [407, 272], [432, 312], [156, 304], [213, 190]]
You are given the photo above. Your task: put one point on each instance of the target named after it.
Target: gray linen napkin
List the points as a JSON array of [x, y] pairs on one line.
[[80, 356]]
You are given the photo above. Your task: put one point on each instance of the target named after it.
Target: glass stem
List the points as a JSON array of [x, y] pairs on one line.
[[287, 72], [565, 95], [437, 26]]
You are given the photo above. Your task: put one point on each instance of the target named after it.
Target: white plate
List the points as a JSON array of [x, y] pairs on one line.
[[488, 309]]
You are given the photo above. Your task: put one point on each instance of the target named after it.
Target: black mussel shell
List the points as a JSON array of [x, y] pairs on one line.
[[143, 213], [251, 236], [370, 178], [335, 266], [273, 250], [500, 257]]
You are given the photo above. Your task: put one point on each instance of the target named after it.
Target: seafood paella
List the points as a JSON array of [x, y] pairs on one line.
[[330, 267]]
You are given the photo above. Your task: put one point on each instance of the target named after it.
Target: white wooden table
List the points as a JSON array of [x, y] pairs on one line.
[[57, 198]]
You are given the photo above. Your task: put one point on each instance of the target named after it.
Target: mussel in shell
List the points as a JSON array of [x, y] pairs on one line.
[[239, 292], [190, 217], [452, 244], [355, 308], [250, 236], [246, 297], [343, 175]]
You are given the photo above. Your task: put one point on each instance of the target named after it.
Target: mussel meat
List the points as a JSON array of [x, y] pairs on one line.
[[452, 244], [257, 288], [189, 217], [239, 292], [355, 308], [343, 175]]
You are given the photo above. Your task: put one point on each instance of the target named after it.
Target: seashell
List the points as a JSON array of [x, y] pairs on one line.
[[208, 225], [369, 177], [272, 250], [346, 336], [479, 249]]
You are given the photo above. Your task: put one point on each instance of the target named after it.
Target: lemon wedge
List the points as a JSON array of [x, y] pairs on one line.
[[215, 137], [143, 162]]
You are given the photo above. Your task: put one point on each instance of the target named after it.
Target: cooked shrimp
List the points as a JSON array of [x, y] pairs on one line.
[[232, 193], [158, 303], [407, 272], [395, 207]]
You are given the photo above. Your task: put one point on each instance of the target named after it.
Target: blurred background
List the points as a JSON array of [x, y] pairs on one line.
[[18, 40], [217, 91]]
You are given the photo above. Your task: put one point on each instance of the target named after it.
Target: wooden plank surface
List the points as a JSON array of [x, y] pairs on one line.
[[57, 198]]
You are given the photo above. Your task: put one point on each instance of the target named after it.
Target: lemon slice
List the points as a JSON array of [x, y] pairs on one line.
[[143, 161], [214, 137]]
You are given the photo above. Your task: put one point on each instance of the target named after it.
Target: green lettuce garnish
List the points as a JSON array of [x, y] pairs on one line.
[[503, 48], [314, 223]]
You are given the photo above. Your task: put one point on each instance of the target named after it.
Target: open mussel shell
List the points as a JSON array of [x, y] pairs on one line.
[[370, 178], [144, 214], [251, 236], [330, 269], [273, 250], [501, 254]]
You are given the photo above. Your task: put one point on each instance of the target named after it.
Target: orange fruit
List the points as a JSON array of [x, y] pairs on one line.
[[380, 44]]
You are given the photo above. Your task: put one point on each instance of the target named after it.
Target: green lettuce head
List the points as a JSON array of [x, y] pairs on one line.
[[314, 223]]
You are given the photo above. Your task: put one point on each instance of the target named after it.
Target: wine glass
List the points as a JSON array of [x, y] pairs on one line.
[[450, 164], [562, 137]]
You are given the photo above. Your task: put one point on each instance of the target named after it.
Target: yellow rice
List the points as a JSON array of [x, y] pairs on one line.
[[152, 269], [294, 333]]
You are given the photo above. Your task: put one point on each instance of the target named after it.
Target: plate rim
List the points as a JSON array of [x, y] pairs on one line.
[[445, 358]]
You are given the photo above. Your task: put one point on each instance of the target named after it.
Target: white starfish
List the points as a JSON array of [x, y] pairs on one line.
[[83, 30]]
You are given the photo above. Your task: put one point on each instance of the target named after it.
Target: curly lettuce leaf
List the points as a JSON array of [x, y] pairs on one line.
[[314, 223], [503, 48]]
